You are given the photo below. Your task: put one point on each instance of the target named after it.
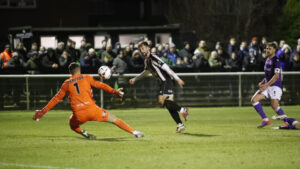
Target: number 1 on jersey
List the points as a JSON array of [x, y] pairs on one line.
[[77, 87]]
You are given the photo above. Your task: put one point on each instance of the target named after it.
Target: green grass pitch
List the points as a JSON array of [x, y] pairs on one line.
[[224, 137]]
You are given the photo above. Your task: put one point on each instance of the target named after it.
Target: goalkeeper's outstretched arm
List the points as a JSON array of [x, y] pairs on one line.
[[60, 95]]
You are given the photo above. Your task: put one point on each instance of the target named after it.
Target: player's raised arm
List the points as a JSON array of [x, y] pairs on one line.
[[140, 76], [105, 87], [60, 95]]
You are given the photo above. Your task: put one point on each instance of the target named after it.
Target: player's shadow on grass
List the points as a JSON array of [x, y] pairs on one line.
[[113, 139], [199, 135]]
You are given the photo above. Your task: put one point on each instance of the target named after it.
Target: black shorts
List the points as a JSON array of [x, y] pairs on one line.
[[166, 87]]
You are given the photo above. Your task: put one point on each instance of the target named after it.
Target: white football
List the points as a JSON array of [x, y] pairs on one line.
[[104, 72]]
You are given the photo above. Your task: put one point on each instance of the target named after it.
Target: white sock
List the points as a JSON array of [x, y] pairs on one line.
[[266, 119], [135, 132]]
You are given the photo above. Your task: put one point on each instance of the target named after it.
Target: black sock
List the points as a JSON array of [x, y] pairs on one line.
[[173, 104], [172, 107]]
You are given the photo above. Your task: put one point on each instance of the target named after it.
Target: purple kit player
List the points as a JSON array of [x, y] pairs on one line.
[[290, 123], [270, 86]]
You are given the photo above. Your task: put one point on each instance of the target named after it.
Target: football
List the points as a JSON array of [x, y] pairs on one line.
[[104, 72]]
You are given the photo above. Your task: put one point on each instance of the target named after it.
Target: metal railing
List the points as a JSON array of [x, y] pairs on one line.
[[201, 89]]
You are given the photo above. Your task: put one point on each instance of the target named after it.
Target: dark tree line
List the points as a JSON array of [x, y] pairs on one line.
[[220, 19]]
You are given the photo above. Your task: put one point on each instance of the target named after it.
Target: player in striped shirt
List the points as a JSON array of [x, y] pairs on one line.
[[166, 77]]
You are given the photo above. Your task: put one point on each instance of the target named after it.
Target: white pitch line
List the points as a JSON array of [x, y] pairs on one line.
[[31, 166]]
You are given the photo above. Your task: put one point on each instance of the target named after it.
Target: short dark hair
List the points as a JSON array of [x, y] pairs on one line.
[[143, 44], [272, 44], [73, 66]]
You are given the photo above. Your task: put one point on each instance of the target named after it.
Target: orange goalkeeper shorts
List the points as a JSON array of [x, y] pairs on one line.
[[93, 113]]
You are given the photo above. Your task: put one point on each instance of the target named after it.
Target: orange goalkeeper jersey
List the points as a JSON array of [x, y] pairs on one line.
[[78, 88]]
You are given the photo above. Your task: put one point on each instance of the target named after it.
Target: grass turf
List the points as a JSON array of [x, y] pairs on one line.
[[224, 137]]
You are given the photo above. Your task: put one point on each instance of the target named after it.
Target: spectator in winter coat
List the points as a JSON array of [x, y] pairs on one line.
[[202, 48], [107, 56], [234, 64], [173, 54], [49, 62], [16, 65], [232, 46], [295, 63], [6, 55], [185, 53], [297, 50], [214, 62], [117, 48], [136, 62]]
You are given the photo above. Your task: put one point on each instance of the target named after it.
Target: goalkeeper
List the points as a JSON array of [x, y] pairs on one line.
[[84, 108]]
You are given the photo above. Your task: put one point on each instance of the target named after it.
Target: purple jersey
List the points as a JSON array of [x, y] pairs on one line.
[[272, 66]]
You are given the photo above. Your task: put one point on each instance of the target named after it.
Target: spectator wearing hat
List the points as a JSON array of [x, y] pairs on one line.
[[167, 60], [16, 65], [254, 46], [250, 61], [6, 55], [117, 48], [136, 62], [33, 64], [173, 54]]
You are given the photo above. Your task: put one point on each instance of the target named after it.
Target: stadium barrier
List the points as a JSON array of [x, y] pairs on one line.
[[201, 89]]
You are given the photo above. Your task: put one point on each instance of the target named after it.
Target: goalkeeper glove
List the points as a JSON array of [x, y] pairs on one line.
[[38, 114], [118, 93]]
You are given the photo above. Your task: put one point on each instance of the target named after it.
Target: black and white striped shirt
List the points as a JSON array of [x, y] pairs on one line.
[[159, 69]]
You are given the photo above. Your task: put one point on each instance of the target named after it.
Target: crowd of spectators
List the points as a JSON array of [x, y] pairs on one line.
[[231, 57]]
